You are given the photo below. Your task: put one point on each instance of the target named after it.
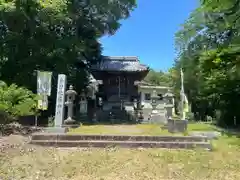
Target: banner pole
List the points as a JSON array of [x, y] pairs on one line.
[[36, 120]]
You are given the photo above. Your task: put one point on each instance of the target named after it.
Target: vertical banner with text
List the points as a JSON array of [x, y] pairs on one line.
[[44, 83]]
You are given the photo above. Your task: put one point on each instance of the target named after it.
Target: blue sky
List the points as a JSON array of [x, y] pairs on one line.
[[149, 32]]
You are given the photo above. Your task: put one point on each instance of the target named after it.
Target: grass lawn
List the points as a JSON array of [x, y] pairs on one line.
[[31, 162], [140, 129]]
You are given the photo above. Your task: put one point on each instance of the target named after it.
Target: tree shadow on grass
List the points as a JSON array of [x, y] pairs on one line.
[[229, 135], [230, 132]]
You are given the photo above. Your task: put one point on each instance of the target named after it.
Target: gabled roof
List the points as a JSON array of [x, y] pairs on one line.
[[143, 83], [120, 63]]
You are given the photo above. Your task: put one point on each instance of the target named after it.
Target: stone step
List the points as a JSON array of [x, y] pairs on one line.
[[79, 137], [123, 144]]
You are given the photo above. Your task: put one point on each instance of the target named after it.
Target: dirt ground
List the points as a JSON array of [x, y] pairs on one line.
[[13, 141], [22, 161]]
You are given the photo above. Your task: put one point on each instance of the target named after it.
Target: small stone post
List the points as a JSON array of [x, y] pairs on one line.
[[71, 95]]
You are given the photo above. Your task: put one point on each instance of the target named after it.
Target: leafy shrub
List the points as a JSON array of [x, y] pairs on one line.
[[51, 121], [15, 101]]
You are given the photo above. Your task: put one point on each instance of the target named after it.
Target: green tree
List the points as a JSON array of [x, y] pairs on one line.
[[159, 78], [60, 36], [208, 52]]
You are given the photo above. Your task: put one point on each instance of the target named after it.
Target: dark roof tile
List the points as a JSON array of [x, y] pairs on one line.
[[120, 63]]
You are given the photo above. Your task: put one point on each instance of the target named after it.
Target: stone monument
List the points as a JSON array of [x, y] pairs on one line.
[[59, 112], [61, 88], [71, 95]]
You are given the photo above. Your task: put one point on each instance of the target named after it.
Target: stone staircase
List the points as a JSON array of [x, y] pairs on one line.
[[104, 141], [114, 116], [113, 111]]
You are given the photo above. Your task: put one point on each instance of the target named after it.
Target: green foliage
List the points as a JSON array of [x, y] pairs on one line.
[[51, 121], [16, 101], [208, 52], [190, 116], [59, 36], [159, 78]]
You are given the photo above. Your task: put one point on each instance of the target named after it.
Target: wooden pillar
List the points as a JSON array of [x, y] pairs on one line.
[[119, 86]]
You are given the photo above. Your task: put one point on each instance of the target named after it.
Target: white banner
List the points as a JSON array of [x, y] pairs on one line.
[[43, 102], [44, 82]]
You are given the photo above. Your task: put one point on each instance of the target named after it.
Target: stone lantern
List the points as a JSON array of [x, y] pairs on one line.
[[83, 103], [156, 116], [169, 104], [83, 106], [71, 95], [154, 98], [168, 97]]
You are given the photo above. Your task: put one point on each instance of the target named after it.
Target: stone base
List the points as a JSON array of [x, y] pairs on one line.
[[69, 121], [158, 119], [208, 134], [70, 125], [56, 130], [177, 126]]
